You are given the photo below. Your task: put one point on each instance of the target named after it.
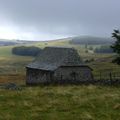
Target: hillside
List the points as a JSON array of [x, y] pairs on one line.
[[79, 102], [7, 42], [91, 40]]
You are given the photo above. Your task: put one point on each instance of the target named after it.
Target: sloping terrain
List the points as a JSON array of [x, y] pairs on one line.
[[91, 40], [57, 102]]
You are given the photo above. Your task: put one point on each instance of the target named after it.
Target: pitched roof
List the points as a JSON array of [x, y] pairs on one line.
[[53, 57]]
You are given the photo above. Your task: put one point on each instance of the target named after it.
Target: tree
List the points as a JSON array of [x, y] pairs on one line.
[[116, 45]]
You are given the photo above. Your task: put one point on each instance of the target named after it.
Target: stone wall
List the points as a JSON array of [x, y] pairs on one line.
[[34, 76], [61, 75], [73, 74]]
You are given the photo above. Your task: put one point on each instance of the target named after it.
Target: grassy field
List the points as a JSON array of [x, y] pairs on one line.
[[12, 66], [61, 103], [57, 102]]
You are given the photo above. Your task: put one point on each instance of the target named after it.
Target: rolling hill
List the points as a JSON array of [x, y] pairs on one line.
[[91, 40], [7, 42]]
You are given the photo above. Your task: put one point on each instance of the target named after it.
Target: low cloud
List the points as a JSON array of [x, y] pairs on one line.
[[50, 19]]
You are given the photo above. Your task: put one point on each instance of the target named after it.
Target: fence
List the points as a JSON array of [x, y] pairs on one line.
[[107, 76]]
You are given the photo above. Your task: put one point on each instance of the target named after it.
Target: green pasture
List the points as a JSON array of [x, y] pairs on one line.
[[61, 103], [57, 102]]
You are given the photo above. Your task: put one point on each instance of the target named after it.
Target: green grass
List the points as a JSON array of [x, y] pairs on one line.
[[105, 68], [61, 103], [5, 51], [57, 102], [11, 64]]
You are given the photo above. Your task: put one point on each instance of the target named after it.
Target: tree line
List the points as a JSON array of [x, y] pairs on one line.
[[104, 49], [26, 51]]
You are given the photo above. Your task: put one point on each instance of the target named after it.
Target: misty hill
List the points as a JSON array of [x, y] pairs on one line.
[[5, 42], [90, 40]]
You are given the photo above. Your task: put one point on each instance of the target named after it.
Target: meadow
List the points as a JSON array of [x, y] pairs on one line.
[[67, 102], [61, 103]]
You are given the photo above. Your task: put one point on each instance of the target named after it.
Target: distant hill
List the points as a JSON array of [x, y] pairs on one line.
[[5, 42], [90, 40]]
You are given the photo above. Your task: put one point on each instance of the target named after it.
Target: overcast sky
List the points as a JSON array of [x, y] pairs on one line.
[[52, 19]]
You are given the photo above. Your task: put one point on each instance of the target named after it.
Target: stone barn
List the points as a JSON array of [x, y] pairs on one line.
[[57, 65]]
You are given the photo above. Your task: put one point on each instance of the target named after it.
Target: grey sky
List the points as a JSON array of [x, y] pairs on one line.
[[50, 19]]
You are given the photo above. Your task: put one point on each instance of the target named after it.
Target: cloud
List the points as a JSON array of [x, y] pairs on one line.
[[60, 17]]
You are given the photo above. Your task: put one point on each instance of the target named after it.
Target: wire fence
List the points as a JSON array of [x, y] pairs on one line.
[[107, 76]]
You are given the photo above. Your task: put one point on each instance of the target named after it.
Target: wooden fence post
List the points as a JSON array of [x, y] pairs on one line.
[[100, 76], [110, 76], [114, 76]]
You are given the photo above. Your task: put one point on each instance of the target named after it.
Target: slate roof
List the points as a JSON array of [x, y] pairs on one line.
[[53, 57]]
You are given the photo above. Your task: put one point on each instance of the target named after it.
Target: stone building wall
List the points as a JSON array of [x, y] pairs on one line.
[[61, 75], [34, 76], [73, 74]]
